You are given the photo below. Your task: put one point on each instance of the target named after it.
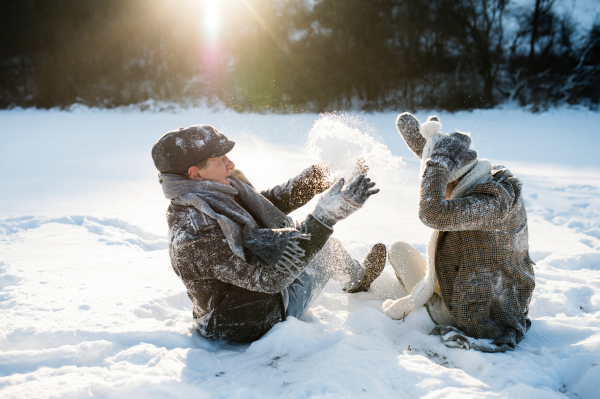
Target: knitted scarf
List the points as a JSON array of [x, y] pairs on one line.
[[216, 200]]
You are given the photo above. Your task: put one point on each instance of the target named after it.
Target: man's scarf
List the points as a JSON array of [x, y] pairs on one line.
[[216, 200]]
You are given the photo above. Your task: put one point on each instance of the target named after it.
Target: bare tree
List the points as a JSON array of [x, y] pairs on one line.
[[542, 8]]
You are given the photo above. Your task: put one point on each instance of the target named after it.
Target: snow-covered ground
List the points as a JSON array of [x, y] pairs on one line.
[[91, 307]]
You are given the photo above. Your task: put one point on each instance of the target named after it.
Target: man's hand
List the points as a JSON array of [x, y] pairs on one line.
[[337, 204], [452, 152], [359, 190]]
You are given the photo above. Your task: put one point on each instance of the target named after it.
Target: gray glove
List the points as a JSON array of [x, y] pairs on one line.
[[336, 204], [452, 152], [409, 128]]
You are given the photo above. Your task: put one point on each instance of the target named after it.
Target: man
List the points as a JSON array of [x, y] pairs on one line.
[[245, 265], [479, 249]]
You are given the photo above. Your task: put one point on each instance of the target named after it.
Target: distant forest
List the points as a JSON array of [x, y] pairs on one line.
[[296, 55]]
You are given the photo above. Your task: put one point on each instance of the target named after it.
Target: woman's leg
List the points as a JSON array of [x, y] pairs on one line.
[[410, 268], [408, 263]]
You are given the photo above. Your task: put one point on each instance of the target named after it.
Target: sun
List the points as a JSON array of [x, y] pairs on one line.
[[211, 21]]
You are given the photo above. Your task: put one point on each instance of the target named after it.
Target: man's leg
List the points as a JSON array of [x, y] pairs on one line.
[[410, 268], [333, 261]]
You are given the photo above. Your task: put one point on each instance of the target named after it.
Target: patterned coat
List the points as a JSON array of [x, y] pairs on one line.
[[234, 300], [482, 256]]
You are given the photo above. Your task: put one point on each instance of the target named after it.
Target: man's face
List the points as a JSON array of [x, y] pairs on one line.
[[216, 169]]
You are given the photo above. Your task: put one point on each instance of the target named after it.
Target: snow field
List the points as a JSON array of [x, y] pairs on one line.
[[91, 307]]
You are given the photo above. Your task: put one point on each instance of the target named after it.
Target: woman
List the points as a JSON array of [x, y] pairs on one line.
[[478, 279]]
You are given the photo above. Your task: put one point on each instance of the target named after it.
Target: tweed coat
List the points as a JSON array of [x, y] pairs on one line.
[[233, 299], [482, 258]]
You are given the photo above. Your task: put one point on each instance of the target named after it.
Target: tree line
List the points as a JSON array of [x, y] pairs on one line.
[[297, 55]]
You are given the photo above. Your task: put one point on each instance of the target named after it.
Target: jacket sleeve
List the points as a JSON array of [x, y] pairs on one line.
[[212, 257], [487, 205], [297, 191]]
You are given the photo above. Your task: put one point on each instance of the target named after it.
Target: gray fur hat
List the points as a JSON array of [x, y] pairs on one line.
[[179, 149], [421, 139]]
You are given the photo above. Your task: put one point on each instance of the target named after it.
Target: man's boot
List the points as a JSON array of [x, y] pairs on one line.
[[374, 263]]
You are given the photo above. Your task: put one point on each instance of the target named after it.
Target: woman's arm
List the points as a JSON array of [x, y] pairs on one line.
[[488, 204]]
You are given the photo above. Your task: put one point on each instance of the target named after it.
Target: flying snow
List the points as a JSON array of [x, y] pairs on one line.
[[340, 140]]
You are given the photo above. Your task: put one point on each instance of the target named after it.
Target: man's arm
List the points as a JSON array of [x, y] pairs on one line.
[[212, 257], [297, 191], [280, 254], [487, 205]]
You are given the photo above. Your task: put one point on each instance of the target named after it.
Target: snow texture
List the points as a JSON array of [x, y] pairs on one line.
[[91, 306]]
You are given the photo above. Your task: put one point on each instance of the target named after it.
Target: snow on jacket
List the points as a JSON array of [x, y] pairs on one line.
[[234, 299], [482, 258]]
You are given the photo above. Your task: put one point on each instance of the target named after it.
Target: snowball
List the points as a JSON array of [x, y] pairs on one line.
[[339, 140]]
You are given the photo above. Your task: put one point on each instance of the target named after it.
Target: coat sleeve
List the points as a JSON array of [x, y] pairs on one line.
[[297, 191], [211, 257], [487, 205]]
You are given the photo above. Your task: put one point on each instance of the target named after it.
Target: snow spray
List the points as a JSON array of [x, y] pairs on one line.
[[339, 140]]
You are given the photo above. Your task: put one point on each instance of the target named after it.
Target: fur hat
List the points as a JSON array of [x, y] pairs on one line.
[[179, 149]]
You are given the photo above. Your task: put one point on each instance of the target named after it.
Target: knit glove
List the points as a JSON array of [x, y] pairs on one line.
[[270, 245], [452, 152], [337, 204]]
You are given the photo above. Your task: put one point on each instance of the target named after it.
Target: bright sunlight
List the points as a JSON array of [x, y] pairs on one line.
[[211, 18]]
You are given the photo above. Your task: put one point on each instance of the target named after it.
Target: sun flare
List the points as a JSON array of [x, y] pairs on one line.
[[211, 21]]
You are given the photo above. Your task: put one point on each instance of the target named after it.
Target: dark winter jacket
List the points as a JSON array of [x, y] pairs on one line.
[[234, 299]]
